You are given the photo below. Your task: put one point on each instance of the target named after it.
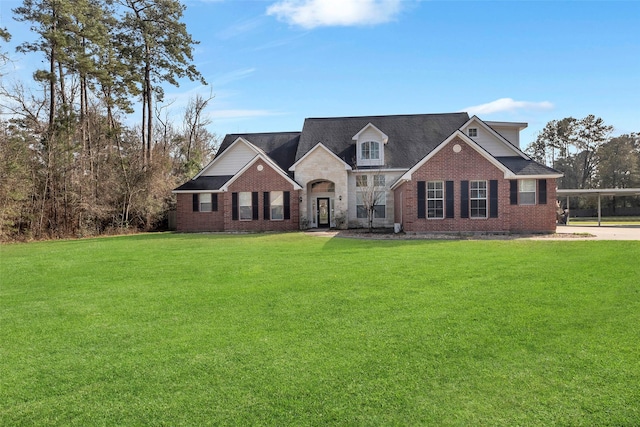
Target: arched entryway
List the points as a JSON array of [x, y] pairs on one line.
[[321, 203]]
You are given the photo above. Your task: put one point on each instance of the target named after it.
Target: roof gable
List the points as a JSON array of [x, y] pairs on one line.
[[236, 155], [281, 147], [269, 162], [319, 146], [505, 147], [512, 167], [370, 127]]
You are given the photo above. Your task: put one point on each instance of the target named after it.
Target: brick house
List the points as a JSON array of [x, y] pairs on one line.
[[421, 173]]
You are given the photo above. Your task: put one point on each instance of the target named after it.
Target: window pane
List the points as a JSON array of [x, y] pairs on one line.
[[361, 180], [375, 150], [361, 211], [277, 212], [528, 198], [527, 185], [378, 180]]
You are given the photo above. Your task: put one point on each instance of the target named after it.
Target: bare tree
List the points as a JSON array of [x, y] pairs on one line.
[[370, 195]]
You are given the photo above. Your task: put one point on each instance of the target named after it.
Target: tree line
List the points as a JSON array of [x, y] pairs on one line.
[[70, 165], [588, 156]]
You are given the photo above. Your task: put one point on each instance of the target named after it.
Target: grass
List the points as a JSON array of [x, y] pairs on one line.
[[287, 329]]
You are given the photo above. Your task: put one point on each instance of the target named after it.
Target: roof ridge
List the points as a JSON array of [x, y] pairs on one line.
[[387, 115]]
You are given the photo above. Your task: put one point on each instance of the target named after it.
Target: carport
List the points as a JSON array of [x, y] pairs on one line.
[[596, 192]]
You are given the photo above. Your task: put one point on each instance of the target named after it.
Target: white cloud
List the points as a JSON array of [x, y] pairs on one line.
[[508, 105], [231, 76], [319, 13]]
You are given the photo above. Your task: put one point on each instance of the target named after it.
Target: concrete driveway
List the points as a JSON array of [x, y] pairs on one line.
[[604, 232]]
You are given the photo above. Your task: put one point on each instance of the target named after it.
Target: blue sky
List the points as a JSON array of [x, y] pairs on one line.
[[272, 63]]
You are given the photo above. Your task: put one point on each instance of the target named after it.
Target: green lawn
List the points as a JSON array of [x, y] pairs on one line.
[[289, 329]]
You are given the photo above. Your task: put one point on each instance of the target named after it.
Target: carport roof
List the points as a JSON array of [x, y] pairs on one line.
[[598, 192]]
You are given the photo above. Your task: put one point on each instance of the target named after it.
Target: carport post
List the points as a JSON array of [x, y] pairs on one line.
[[599, 210], [568, 212]]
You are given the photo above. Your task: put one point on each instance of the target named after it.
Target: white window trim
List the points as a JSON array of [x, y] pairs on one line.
[[201, 202], [379, 161], [272, 205], [240, 205], [442, 199], [485, 198], [521, 183]]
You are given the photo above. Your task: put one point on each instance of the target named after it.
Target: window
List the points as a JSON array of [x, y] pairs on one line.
[[361, 180], [370, 150], [361, 210], [205, 202], [527, 191], [473, 132], [366, 199], [277, 205], [435, 199], [478, 199], [378, 181], [379, 210], [246, 208]]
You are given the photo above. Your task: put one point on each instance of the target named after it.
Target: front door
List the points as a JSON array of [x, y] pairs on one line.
[[323, 212]]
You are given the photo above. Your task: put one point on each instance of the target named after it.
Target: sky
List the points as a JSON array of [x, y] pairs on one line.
[[272, 63]]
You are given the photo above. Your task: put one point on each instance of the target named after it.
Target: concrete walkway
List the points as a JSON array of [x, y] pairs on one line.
[[605, 232]]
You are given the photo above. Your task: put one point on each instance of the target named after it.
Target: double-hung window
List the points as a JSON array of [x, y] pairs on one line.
[[367, 199], [527, 191], [205, 202], [277, 205], [245, 206], [435, 199], [478, 199]]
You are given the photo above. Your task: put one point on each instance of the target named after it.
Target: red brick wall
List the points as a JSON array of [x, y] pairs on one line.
[[469, 165], [188, 221], [262, 181]]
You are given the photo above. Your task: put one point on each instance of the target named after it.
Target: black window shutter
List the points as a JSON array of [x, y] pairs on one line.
[[464, 199], [254, 204], [214, 202], [542, 191], [513, 192], [493, 198], [422, 202], [267, 205], [234, 206], [448, 190], [287, 205], [196, 202]]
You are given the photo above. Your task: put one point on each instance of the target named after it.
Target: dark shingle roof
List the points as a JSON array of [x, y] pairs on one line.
[[411, 137], [520, 166], [281, 147], [204, 183]]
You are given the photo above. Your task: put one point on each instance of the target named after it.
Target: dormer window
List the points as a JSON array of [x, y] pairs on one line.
[[370, 146], [370, 150]]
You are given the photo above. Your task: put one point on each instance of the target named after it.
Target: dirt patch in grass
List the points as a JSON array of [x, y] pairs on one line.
[[384, 234]]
